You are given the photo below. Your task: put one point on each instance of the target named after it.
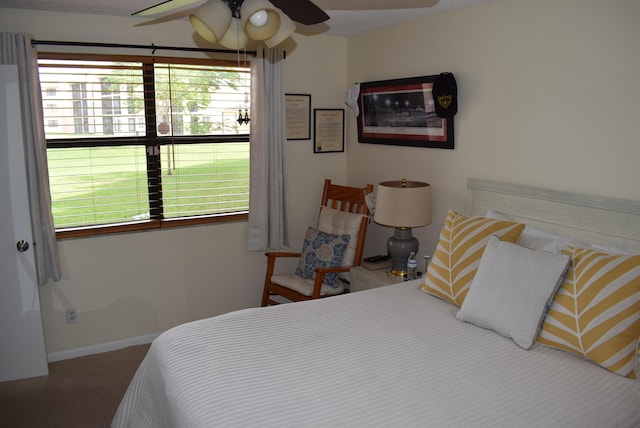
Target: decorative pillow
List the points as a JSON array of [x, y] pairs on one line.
[[537, 239], [606, 249], [596, 312], [321, 249], [457, 256], [512, 289]]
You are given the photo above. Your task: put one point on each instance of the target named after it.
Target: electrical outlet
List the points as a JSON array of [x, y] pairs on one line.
[[72, 316]]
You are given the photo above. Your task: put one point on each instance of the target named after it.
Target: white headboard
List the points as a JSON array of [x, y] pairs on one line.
[[592, 219]]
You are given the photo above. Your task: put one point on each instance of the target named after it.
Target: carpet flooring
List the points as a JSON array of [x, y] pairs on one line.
[[80, 392]]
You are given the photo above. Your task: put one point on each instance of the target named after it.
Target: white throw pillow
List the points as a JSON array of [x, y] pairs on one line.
[[537, 239], [512, 290]]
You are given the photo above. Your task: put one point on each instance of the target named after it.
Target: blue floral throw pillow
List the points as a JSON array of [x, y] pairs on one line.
[[321, 249]]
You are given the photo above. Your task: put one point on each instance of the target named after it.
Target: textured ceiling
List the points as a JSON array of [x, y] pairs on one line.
[[342, 22]]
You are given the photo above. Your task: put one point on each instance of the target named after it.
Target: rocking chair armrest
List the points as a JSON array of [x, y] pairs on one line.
[[320, 274], [272, 257], [282, 254], [325, 270]]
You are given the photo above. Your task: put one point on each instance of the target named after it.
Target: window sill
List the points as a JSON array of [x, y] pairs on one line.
[[149, 225]]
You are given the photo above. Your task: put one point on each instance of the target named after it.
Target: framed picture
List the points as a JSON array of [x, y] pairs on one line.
[[328, 130], [298, 116], [401, 112]]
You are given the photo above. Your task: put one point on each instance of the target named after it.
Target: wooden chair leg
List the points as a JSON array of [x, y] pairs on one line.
[[271, 261]]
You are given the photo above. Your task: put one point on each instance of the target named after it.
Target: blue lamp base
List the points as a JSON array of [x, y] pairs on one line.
[[399, 246]]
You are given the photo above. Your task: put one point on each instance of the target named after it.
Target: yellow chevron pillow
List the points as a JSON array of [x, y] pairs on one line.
[[596, 311], [457, 256]]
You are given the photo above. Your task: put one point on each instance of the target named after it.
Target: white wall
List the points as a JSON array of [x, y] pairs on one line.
[[138, 284], [547, 91]]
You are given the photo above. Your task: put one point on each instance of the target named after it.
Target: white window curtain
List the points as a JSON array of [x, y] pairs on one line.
[[268, 206], [17, 49]]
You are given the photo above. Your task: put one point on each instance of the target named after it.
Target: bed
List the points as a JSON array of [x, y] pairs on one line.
[[400, 356]]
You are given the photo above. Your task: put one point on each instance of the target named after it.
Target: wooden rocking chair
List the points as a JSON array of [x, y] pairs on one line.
[[343, 211]]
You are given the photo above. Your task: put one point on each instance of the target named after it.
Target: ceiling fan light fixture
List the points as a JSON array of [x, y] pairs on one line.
[[211, 20], [270, 26], [231, 23], [259, 18], [287, 27], [234, 38]]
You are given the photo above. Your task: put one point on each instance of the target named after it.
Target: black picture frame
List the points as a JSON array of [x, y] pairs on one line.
[[328, 130], [401, 112], [298, 116]]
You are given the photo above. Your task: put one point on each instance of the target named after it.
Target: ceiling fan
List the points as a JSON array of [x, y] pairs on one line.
[[232, 23]]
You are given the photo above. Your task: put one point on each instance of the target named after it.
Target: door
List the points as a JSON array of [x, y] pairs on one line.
[[22, 349]]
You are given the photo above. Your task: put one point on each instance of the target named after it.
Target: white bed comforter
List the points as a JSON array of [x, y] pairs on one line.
[[388, 357]]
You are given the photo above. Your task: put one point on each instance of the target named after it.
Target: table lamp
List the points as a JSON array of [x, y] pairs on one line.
[[403, 205]]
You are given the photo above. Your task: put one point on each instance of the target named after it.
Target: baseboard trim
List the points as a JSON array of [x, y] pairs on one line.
[[102, 347]]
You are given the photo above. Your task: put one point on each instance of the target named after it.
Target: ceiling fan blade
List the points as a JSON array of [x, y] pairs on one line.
[[302, 11], [374, 4], [166, 6]]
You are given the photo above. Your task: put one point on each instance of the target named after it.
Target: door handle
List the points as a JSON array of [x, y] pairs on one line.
[[22, 246]]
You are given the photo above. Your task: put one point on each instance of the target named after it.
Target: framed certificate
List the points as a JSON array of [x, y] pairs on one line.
[[298, 116], [328, 130]]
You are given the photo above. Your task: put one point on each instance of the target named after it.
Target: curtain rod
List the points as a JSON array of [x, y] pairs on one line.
[[118, 45]]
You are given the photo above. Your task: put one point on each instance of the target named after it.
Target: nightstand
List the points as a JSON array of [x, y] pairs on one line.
[[365, 279]]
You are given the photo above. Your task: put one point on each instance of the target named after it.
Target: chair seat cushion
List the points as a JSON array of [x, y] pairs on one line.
[[304, 286], [321, 249]]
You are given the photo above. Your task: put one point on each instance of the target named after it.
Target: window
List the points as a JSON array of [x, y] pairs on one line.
[[138, 143]]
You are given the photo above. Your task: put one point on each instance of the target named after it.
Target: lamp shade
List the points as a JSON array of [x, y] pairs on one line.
[[261, 7], [403, 204], [211, 20]]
